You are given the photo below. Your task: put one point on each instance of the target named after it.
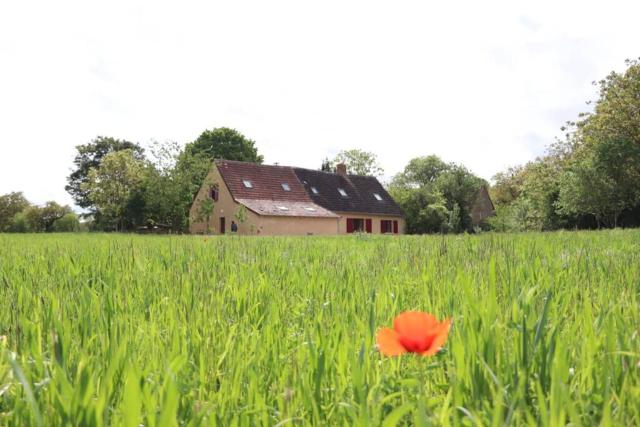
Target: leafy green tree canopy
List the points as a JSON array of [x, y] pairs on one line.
[[10, 205], [592, 177], [422, 171], [173, 179], [224, 143], [436, 196], [42, 218], [111, 185], [358, 162], [89, 156]]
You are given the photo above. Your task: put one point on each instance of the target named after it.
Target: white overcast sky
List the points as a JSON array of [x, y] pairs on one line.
[[483, 83]]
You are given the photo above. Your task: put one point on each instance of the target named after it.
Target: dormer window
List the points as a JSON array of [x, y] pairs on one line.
[[342, 192], [247, 183], [285, 186], [377, 196], [314, 190]]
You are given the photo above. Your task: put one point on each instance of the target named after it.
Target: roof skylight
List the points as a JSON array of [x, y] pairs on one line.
[[247, 183], [285, 186], [314, 190], [283, 208], [377, 196], [310, 209], [342, 192]]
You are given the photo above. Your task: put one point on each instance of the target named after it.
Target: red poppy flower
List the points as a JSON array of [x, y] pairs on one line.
[[413, 332]]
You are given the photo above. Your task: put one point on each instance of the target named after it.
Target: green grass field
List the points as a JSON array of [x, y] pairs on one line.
[[162, 331]]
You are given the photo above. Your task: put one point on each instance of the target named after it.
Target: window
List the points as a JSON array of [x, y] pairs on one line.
[[314, 190], [377, 196], [247, 183], [310, 209], [386, 226], [283, 208], [355, 225], [342, 192], [285, 186], [213, 193]]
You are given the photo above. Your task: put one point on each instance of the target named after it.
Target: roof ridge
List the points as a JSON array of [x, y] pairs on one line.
[[216, 161], [296, 167]]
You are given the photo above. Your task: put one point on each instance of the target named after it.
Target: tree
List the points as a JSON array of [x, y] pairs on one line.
[[422, 171], [10, 205], [172, 180], [42, 218], [507, 186], [68, 223], [592, 174], [89, 157], [326, 165], [459, 188], [436, 196], [358, 162], [601, 181], [603, 174], [224, 143], [111, 185], [425, 210], [616, 115]]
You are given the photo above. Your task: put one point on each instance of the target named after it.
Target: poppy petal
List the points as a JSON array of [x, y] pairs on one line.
[[388, 342], [438, 339], [415, 325]]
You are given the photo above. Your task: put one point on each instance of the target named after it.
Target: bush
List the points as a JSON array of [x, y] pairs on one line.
[[68, 223]]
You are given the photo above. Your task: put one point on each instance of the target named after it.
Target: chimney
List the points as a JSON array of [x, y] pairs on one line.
[[341, 169]]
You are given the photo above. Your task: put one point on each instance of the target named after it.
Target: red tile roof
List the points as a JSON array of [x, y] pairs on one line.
[[266, 180]]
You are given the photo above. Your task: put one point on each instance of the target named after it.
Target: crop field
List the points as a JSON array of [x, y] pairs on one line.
[[101, 329]]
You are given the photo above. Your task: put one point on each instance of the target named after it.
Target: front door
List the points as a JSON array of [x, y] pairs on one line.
[[222, 224]]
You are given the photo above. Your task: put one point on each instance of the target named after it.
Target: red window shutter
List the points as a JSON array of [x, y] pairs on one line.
[[382, 230], [349, 225], [369, 226], [395, 226]]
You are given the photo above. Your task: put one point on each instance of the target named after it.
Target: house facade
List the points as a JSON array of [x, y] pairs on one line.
[[283, 200]]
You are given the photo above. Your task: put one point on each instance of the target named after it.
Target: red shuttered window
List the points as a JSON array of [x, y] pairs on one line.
[[395, 226], [369, 226], [358, 225], [349, 225]]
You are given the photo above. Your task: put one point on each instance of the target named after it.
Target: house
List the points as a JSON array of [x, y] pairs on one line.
[[284, 200], [482, 207]]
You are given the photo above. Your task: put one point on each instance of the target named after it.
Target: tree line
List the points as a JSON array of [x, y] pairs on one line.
[[18, 215], [125, 187], [588, 179]]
